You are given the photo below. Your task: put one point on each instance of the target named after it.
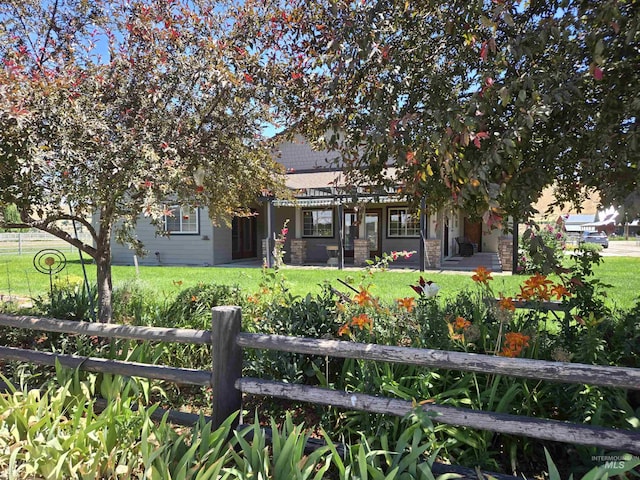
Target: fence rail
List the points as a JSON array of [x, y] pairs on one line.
[[225, 378], [543, 429], [19, 243], [472, 362]]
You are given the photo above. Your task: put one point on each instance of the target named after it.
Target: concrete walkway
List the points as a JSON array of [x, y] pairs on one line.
[[451, 264], [489, 261]]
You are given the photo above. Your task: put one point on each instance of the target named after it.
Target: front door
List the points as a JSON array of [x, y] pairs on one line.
[[473, 231], [371, 228], [244, 237]]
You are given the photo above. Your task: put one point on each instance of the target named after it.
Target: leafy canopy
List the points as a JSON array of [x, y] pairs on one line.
[[483, 102], [111, 107]]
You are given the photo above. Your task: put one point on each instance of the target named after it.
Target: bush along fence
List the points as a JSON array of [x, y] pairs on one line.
[[228, 341]]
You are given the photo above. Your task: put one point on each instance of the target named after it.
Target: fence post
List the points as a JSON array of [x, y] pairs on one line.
[[19, 243], [227, 363]]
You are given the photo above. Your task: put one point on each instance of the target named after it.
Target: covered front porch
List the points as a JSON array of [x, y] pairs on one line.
[[329, 227], [453, 263]]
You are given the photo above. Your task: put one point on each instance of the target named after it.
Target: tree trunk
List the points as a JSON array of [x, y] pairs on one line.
[[105, 287]]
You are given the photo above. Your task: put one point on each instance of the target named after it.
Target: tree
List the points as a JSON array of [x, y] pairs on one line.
[[480, 103], [9, 214], [111, 107]]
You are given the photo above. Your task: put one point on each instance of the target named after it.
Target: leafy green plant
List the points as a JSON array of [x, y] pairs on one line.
[[192, 306], [588, 292], [285, 458], [614, 466], [542, 247], [310, 316], [69, 299], [133, 304], [381, 457], [56, 433]]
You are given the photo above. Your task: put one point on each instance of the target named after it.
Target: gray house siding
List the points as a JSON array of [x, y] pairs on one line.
[[222, 251], [177, 249]]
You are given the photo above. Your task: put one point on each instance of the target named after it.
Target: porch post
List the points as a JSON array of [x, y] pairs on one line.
[[340, 236], [362, 219], [298, 245], [298, 222], [514, 253], [268, 253], [423, 233]]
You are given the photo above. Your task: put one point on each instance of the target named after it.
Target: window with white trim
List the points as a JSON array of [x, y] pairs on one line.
[[402, 223], [317, 223], [182, 220]]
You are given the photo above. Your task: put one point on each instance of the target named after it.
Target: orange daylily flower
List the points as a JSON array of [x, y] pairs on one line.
[[538, 280], [363, 298], [525, 294], [344, 330], [539, 284], [560, 291], [482, 275], [537, 288], [461, 323], [506, 303], [514, 343], [361, 321], [407, 303]]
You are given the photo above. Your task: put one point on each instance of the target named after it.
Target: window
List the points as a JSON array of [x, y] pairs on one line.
[[317, 223], [402, 223], [183, 220]]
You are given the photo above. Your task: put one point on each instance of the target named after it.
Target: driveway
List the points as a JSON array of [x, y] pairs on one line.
[[622, 248]]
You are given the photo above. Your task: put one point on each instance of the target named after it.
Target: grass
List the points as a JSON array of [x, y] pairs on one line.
[[19, 277]]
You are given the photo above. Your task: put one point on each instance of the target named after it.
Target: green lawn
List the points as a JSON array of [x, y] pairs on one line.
[[18, 276]]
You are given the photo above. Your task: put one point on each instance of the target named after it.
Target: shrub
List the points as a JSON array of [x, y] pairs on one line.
[[192, 306], [69, 300], [132, 304], [311, 316], [542, 247]]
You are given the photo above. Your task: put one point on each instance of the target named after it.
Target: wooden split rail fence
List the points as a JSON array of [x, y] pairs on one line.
[[227, 342]]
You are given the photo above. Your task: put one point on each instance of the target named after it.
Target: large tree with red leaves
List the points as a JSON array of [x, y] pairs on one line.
[[483, 103], [108, 108]]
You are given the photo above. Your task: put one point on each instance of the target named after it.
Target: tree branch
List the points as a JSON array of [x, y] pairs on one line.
[[47, 225], [48, 35]]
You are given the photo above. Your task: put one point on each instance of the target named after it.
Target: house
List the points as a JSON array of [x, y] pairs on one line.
[[574, 222], [328, 224], [592, 217]]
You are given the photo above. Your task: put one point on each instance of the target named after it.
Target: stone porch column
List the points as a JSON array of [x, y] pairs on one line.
[[505, 253], [264, 245], [360, 251], [433, 253], [298, 251]]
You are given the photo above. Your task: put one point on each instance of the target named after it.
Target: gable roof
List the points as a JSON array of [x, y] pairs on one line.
[[299, 156]]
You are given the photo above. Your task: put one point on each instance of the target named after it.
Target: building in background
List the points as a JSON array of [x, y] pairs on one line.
[[329, 223]]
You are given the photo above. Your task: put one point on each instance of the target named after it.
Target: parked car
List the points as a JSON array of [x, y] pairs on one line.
[[595, 237]]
